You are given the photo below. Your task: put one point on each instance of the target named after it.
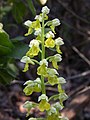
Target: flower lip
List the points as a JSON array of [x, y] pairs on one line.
[[45, 10], [28, 23]]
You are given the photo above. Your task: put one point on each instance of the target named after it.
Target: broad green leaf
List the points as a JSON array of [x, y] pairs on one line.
[[4, 39], [19, 38], [19, 50], [4, 50]]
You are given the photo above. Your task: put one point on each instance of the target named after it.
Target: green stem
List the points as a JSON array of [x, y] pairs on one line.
[[43, 56], [35, 61], [52, 97]]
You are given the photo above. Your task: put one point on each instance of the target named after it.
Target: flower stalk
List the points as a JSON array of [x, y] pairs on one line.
[[44, 39], [43, 54]]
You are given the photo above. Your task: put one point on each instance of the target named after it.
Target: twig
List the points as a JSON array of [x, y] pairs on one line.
[[81, 55], [77, 104], [79, 75]]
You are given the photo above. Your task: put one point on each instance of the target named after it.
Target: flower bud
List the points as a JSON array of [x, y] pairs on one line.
[[45, 10], [59, 41], [28, 23], [55, 22]]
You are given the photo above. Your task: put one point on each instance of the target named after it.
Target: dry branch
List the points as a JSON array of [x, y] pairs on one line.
[[77, 104]]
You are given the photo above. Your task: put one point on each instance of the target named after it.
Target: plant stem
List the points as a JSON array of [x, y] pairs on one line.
[[43, 56]]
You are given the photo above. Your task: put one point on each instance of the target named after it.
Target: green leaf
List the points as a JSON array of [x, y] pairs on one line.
[[4, 39], [18, 11], [31, 7], [19, 50], [4, 50], [5, 77], [5, 43], [19, 38]]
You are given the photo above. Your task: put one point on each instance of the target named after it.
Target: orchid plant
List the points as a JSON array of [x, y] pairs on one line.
[[46, 75]]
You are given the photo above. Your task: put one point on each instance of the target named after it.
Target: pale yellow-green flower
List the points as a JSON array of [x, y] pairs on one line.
[[42, 70], [34, 48], [55, 59], [32, 86], [43, 105], [36, 25], [52, 78], [26, 60], [58, 43], [49, 43]]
